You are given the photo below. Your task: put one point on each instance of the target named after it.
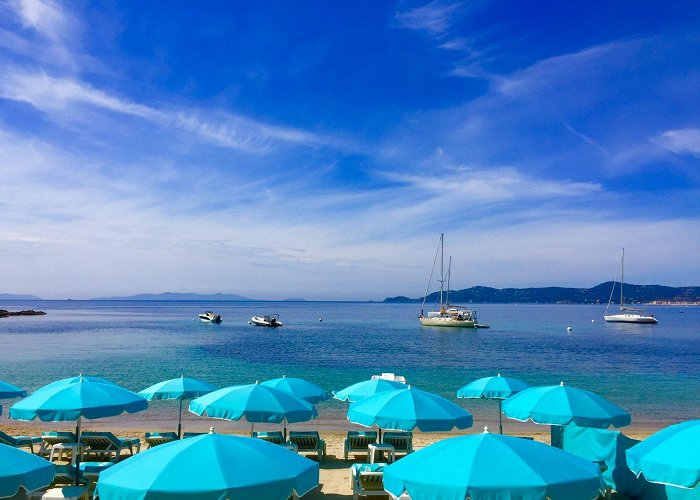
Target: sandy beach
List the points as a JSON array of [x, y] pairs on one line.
[[335, 471]]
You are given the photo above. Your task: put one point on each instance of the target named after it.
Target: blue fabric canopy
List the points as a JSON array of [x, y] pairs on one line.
[[409, 408], [211, 466], [562, 405], [23, 470], [670, 456], [177, 388], [11, 391], [492, 388], [254, 403], [490, 467], [367, 388], [77, 397], [303, 389]]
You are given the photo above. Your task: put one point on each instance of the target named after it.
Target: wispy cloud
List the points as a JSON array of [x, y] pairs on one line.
[[680, 141], [434, 18], [53, 95]]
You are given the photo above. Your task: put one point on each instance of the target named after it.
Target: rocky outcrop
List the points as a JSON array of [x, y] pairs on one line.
[[31, 312]]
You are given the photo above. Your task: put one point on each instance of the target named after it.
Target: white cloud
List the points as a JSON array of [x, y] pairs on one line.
[[44, 16], [53, 95], [434, 18], [680, 141]]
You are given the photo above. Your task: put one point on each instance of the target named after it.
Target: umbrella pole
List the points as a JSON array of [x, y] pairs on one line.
[[179, 422], [77, 451], [500, 417], [285, 429], [252, 426]]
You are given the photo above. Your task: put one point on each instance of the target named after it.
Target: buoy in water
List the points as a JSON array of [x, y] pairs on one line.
[[320, 319], [568, 328], [592, 321]]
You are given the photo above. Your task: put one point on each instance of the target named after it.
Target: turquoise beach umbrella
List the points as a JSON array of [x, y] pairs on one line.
[[75, 398], [670, 456], [10, 391], [23, 470], [255, 403], [367, 388], [409, 408], [492, 466], [177, 388], [497, 387], [210, 466], [563, 405], [303, 389]]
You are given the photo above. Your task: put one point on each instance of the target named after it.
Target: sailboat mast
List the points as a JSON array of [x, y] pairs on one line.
[[449, 270], [442, 265], [622, 279]]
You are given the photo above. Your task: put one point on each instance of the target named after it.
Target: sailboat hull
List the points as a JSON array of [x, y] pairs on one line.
[[630, 318], [447, 322]]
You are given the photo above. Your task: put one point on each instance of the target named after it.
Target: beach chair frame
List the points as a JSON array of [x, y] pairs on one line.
[[368, 484], [157, 438], [274, 437], [308, 442], [356, 442], [20, 441], [107, 444], [401, 441]]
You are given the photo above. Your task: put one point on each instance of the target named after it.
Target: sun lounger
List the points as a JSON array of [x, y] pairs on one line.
[[108, 445], [308, 442], [192, 434], [20, 441], [356, 442], [401, 441], [274, 437], [63, 486], [155, 438], [367, 480], [48, 439]]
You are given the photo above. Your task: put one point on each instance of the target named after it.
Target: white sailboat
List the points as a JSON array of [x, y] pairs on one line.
[[447, 315], [627, 314]]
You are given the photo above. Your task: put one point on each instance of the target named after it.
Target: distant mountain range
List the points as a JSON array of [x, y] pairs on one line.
[[170, 296], [12, 296], [553, 295]]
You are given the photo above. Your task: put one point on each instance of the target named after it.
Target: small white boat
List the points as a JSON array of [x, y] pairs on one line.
[[448, 315], [272, 320], [627, 314], [210, 317]]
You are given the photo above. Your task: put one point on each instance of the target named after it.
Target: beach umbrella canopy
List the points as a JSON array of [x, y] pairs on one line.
[[254, 403], [367, 388], [75, 398], [670, 456], [492, 466], [177, 388], [303, 389], [10, 391], [210, 466], [23, 470], [409, 408], [563, 405], [496, 387]]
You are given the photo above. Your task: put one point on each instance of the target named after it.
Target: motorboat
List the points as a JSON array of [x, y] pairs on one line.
[[626, 314], [272, 320], [210, 317], [447, 315]]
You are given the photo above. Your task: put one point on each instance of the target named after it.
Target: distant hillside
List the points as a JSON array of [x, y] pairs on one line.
[[215, 297], [553, 295], [12, 296]]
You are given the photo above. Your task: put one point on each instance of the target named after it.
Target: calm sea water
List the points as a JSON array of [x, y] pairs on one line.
[[653, 371]]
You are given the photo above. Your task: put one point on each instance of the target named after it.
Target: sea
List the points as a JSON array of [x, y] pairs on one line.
[[653, 371]]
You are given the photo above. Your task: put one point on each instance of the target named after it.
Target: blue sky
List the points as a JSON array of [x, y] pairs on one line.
[[318, 149]]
